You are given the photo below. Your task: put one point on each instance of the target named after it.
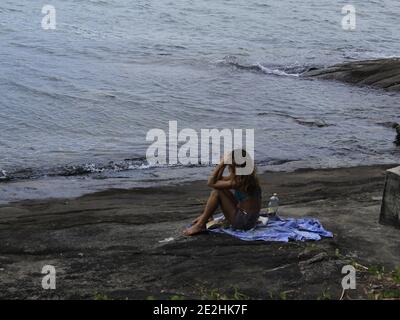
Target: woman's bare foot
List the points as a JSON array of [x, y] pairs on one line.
[[194, 229], [195, 220]]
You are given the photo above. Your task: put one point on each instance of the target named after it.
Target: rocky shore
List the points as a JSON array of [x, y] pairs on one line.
[[380, 73], [128, 243]]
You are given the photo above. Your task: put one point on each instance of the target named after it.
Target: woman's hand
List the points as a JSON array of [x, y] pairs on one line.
[[226, 159]]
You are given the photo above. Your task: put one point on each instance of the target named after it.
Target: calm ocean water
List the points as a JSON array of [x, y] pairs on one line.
[[76, 102]]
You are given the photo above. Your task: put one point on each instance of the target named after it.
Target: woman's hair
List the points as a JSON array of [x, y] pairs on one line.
[[247, 183]]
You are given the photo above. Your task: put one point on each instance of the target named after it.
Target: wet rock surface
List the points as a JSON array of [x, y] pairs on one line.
[[380, 73], [390, 211], [111, 243]]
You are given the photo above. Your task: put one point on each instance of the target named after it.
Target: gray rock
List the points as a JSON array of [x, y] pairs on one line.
[[396, 126], [381, 73], [108, 243], [390, 211], [317, 258]]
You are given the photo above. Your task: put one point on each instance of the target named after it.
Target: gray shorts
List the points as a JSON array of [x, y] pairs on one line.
[[244, 220]]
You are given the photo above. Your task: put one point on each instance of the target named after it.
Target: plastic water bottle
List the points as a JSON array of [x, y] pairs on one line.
[[273, 204]]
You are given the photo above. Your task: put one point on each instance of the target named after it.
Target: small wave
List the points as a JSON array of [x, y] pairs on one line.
[[309, 122], [3, 175], [285, 71], [107, 170], [312, 122], [99, 2], [359, 54], [277, 72], [55, 95], [388, 124], [86, 169], [93, 168], [10, 10], [274, 162]]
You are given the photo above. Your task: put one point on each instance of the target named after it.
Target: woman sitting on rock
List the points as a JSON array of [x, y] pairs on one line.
[[238, 195]]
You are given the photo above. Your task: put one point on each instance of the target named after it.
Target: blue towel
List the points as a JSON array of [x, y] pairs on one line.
[[281, 229]]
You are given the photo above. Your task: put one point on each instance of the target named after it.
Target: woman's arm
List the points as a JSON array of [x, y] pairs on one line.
[[217, 181], [216, 174], [223, 184]]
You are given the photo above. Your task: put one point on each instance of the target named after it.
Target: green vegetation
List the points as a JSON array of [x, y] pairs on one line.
[[377, 271], [280, 296], [209, 294], [215, 294], [176, 297], [382, 284], [173, 297], [283, 295], [325, 295], [391, 294], [100, 296], [373, 282], [396, 275]]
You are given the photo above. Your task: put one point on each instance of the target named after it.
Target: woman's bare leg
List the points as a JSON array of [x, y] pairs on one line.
[[217, 197], [211, 205], [200, 223], [228, 205]]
